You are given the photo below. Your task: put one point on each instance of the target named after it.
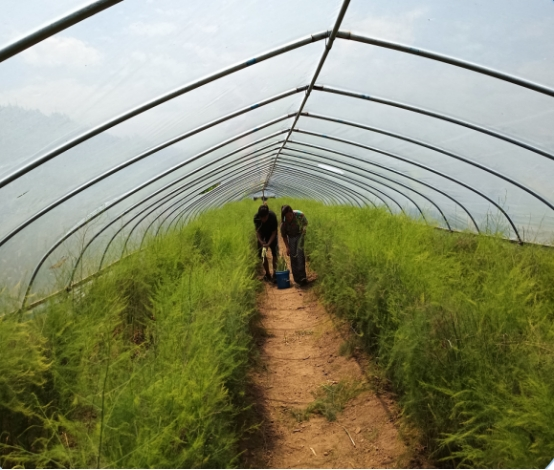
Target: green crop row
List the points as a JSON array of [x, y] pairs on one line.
[[144, 367], [462, 324]]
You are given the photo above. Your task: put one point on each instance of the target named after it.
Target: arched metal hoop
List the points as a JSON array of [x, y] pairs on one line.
[[274, 98], [130, 193], [224, 198], [63, 23], [397, 157], [367, 162], [332, 193], [363, 174]]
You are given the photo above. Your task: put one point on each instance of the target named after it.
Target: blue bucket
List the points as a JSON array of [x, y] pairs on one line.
[[283, 280]]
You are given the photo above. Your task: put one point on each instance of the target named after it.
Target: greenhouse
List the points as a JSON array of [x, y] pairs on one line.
[[138, 138]]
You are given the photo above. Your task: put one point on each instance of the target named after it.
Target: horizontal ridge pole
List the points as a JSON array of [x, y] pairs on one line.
[[328, 46]]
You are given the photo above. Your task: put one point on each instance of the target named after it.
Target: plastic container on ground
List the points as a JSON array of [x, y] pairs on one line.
[[283, 279]]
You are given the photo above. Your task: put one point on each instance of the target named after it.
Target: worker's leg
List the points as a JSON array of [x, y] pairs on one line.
[[297, 260]]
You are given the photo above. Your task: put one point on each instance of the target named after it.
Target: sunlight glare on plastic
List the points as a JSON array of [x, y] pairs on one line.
[[330, 168]]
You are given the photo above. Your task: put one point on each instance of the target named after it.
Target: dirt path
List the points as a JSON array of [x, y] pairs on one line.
[[299, 362]]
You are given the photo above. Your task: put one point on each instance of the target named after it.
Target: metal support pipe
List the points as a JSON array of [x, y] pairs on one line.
[[320, 88], [109, 205], [319, 184], [436, 115], [361, 185], [342, 190], [156, 102], [185, 186], [55, 27], [454, 180], [194, 208], [302, 178], [447, 60], [111, 240], [313, 38], [351, 157], [176, 221], [190, 160], [326, 187], [301, 192], [223, 198], [145, 154], [156, 205], [439, 150], [351, 170], [237, 160], [353, 194], [390, 134], [170, 195], [218, 176], [373, 149], [328, 46]]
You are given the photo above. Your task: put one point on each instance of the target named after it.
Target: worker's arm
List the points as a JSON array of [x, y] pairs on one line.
[[304, 224], [257, 227]]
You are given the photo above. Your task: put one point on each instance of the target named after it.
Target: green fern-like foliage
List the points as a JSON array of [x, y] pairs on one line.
[[281, 264], [143, 367], [462, 325]]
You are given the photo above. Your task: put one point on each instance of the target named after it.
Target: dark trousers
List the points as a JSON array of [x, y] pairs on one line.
[[297, 258]]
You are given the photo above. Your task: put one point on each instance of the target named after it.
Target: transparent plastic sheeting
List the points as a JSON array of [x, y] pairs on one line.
[[456, 148]]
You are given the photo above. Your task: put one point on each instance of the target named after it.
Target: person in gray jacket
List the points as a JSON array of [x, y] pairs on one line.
[[293, 231]]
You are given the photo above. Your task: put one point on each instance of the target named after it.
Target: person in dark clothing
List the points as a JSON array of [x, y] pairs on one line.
[[293, 230], [265, 222]]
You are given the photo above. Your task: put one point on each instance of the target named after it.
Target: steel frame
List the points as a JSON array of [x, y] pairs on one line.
[[172, 193], [83, 13], [180, 201], [223, 198], [329, 194], [438, 149], [380, 175], [130, 193], [198, 180], [150, 209], [55, 27], [328, 46], [162, 223], [434, 114], [349, 169], [373, 149]]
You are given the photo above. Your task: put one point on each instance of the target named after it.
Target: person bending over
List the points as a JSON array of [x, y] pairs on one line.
[[293, 230], [265, 222]]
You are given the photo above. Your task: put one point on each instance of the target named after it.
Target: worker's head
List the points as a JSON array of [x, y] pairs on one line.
[[287, 213], [263, 213]]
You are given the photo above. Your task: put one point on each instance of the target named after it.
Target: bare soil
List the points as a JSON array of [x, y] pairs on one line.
[[299, 345]]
